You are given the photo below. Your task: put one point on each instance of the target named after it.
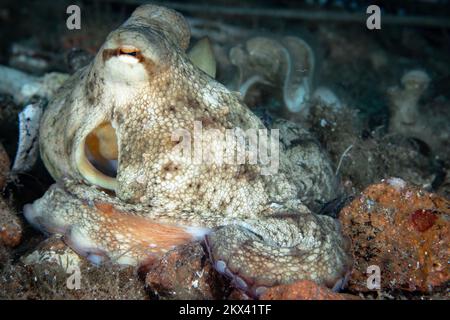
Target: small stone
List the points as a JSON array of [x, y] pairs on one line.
[[185, 273]]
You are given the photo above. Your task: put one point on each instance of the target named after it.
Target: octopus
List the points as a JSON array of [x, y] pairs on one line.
[[125, 194]]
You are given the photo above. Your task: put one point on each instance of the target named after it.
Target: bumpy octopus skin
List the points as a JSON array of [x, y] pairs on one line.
[[141, 87]]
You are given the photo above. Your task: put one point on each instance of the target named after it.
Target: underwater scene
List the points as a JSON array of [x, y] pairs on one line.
[[224, 150]]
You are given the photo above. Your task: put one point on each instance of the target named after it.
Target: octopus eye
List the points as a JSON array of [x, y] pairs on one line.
[[97, 157], [129, 50]]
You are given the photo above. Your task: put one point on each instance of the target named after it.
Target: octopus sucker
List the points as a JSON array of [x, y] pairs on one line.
[[110, 128]]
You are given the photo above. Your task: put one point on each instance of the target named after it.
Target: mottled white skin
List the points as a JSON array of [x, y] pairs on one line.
[[257, 231]]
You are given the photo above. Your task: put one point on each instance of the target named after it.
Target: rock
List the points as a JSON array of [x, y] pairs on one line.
[[78, 58], [403, 230], [362, 157], [10, 225], [54, 250], [304, 290], [23, 87], [412, 119], [237, 294], [185, 273], [28, 57]]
